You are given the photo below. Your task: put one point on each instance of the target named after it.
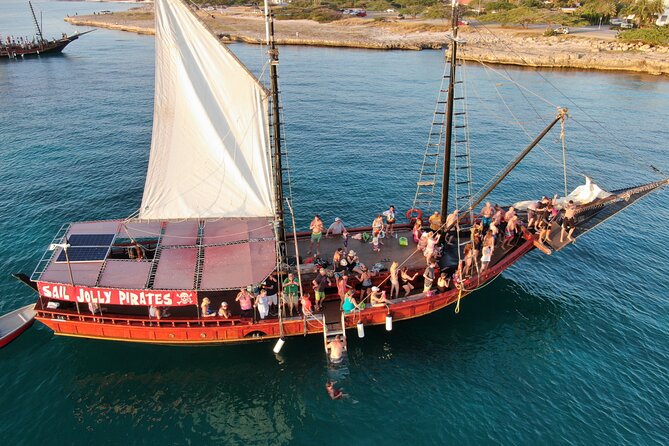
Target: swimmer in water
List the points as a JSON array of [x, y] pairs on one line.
[[335, 394]]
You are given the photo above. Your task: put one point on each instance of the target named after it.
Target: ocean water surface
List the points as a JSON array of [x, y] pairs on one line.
[[565, 349]]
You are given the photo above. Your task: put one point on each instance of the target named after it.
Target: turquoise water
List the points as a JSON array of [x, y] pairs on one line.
[[566, 349]]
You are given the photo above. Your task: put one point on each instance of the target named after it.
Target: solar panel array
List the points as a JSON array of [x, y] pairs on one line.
[[87, 248]]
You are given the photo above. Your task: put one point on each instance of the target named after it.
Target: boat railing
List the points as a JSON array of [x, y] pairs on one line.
[[141, 321], [49, 253]]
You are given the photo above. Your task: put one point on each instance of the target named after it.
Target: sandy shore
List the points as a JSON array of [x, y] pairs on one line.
[[485, 44]]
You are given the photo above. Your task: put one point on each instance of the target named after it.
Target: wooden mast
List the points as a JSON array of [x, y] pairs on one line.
[[276, 132], [39, 29], [449, 112]]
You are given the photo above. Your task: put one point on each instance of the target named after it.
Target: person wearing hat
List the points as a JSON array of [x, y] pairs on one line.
[[378, 298], [337, 228], [352, 261], [223, 311]]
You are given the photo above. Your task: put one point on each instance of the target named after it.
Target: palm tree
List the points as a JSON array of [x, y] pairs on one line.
[[645, 10]]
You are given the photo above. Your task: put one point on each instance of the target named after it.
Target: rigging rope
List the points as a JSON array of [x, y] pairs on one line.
[[606, 132]]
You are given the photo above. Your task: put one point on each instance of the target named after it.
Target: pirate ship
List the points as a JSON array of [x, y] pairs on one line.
[[212, 217]]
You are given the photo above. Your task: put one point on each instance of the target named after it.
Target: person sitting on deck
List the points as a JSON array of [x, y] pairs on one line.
[[457, 276], [417, 230], [306, 304], [245, 299], [223, 311], [319, 284], [349, 304], [378, 298], [316, 227], [352, 262], [337, 228], [390, 220], [206, 310], [406, 281], [443, 282], [336, 260], [568, 222], [291, 289], [155, 312], [262, 304], [336, 349], [428, 275]]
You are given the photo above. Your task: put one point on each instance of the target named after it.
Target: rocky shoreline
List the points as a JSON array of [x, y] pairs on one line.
[[484, 44]]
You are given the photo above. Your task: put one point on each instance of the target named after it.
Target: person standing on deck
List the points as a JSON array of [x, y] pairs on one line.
[[452, 226], [319, 286], [245, 299], [486, 215], [428, 275], [316, 227], [262, 303], [417, 230], [271, 286], [394, 274], [336, 228], [435, 221], [290, 291], [568, 222], [390, 220], [377, 226]]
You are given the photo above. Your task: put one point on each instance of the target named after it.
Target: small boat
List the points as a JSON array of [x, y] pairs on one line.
[[16, 322], [13, 47]]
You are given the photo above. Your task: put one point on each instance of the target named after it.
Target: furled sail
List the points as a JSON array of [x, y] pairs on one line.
[[209, 149]]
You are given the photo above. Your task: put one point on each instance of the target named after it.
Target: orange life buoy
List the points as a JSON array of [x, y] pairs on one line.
[[418, 214]]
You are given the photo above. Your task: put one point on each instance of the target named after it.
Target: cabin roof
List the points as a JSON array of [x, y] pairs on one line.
[[192, 254]]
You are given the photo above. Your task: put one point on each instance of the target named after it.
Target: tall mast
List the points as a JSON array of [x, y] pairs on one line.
[[39, 29], [449, 111], [276, 131]]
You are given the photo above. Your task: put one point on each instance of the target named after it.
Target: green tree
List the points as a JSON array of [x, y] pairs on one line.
[[593, 10], [645, 10]]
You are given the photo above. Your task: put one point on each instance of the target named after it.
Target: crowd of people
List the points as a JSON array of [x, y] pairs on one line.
[[494, 229]]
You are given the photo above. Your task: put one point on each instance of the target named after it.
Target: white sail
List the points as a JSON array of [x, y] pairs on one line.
[[209, 149]]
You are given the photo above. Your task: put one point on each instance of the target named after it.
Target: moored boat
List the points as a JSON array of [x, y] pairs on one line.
[[13, 47], [16, 322], [212, 219]]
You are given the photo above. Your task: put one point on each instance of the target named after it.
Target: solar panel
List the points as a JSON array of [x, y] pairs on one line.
[[90, 239], [84, 254]]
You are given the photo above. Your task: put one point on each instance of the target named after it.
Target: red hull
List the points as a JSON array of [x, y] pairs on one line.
[[215, 331]]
